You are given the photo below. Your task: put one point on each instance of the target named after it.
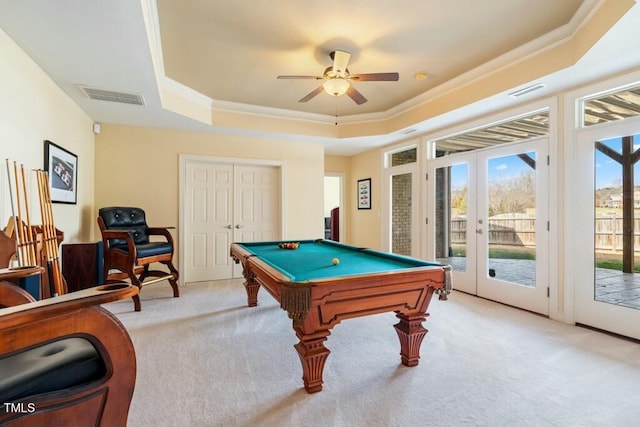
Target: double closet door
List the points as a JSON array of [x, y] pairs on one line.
[[489, 220], [225, 203]]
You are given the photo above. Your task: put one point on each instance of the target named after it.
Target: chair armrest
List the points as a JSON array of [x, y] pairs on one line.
[[161, 231], [117, 234], [126, 235]]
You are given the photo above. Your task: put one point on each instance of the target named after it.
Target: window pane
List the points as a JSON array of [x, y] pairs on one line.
[[403, 157], [617, 208], [401, 214], [451, 216], [511, 213], [611, 107]]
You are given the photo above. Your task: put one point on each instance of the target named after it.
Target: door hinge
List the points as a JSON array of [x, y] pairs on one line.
[[548, 292], [548, 226], [426, 220], [426, 177], [548, 161]]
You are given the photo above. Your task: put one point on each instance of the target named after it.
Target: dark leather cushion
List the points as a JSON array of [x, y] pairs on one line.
[[125, 218], [50, 367], [148, 249]]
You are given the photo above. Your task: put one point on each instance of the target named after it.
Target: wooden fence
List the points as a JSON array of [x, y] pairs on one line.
[[515, 231], [522, 232], [608, 233]]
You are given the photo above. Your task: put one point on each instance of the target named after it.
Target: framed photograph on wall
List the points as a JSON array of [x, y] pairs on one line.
[[364, 193], [62, 166]]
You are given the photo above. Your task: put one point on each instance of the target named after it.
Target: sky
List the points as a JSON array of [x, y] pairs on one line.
[[608, 172], [499, 168]]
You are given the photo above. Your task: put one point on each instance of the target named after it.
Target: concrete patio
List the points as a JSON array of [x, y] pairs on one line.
[[612, 286]]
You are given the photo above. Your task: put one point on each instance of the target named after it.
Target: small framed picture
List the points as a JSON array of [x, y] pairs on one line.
[[62, 167], [364, 193]]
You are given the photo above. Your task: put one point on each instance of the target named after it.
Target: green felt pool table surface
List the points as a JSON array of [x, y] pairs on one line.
[[313, 259]]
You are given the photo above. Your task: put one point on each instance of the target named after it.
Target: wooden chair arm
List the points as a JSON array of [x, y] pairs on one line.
[[161, 231], [117, 234]]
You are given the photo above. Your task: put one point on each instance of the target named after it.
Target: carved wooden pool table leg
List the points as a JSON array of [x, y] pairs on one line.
[[313, 355], [411, 333], [252, 287]]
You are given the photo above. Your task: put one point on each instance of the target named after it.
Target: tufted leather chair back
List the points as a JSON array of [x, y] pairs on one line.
[[125, 218]]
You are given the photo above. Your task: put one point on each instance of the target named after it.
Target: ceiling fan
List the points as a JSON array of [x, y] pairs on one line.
[[338, 79]]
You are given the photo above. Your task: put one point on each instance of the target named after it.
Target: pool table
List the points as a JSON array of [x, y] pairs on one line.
[[321, 283]]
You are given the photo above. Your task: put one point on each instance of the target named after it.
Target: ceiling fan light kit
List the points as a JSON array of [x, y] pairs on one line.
[[336, 86], [337, 79]]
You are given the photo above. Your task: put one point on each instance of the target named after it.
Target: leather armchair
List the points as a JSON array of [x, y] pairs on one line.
[[129, 249]]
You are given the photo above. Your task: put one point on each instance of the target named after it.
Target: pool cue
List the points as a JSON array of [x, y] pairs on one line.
[[56, 280], [21, 246], [31, 243], [13, 215], [45, 243]]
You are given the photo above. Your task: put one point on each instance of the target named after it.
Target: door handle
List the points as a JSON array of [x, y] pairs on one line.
[[229, 226], [479, 231], [237, 226]]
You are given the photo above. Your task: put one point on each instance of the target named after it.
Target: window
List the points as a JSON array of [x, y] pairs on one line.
[[612, 106], [519, 129]]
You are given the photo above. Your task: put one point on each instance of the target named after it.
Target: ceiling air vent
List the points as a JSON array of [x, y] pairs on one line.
[[526, 90], [111, 96]]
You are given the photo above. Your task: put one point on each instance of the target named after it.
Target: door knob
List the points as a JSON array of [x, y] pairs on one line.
[[229, 226], [238, 226], [479, 231]]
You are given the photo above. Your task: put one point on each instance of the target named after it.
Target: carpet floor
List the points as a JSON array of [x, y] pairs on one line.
[[206, 359]]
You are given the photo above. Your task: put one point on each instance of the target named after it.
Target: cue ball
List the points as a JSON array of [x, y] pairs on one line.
[[335, 261]]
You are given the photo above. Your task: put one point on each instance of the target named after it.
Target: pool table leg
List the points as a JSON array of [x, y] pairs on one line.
[[411, 333], [252, 287], [313, 355]]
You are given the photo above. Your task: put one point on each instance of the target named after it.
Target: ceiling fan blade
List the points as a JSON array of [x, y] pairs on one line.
[[312, 94], [376, 77], [357, 97], [300, 77], [340, 62]]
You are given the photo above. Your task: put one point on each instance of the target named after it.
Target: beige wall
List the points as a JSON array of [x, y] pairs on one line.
[[365, 225], [139, 167], [32, 109]]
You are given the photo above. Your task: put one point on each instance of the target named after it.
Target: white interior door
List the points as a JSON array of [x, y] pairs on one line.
[[257, 201], [208, 221], [223, 203], [489, 218]]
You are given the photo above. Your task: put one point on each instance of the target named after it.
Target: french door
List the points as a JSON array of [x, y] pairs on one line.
[[488, 218], [223, 203], [605, 228]]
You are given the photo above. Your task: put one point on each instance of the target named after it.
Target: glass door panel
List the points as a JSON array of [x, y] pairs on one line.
[[511, 218], [604, 228], [452, 210], [617, 222], [451, 215], [512, 225]]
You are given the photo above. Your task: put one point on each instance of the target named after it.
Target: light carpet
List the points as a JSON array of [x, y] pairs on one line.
[[206, 359]]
